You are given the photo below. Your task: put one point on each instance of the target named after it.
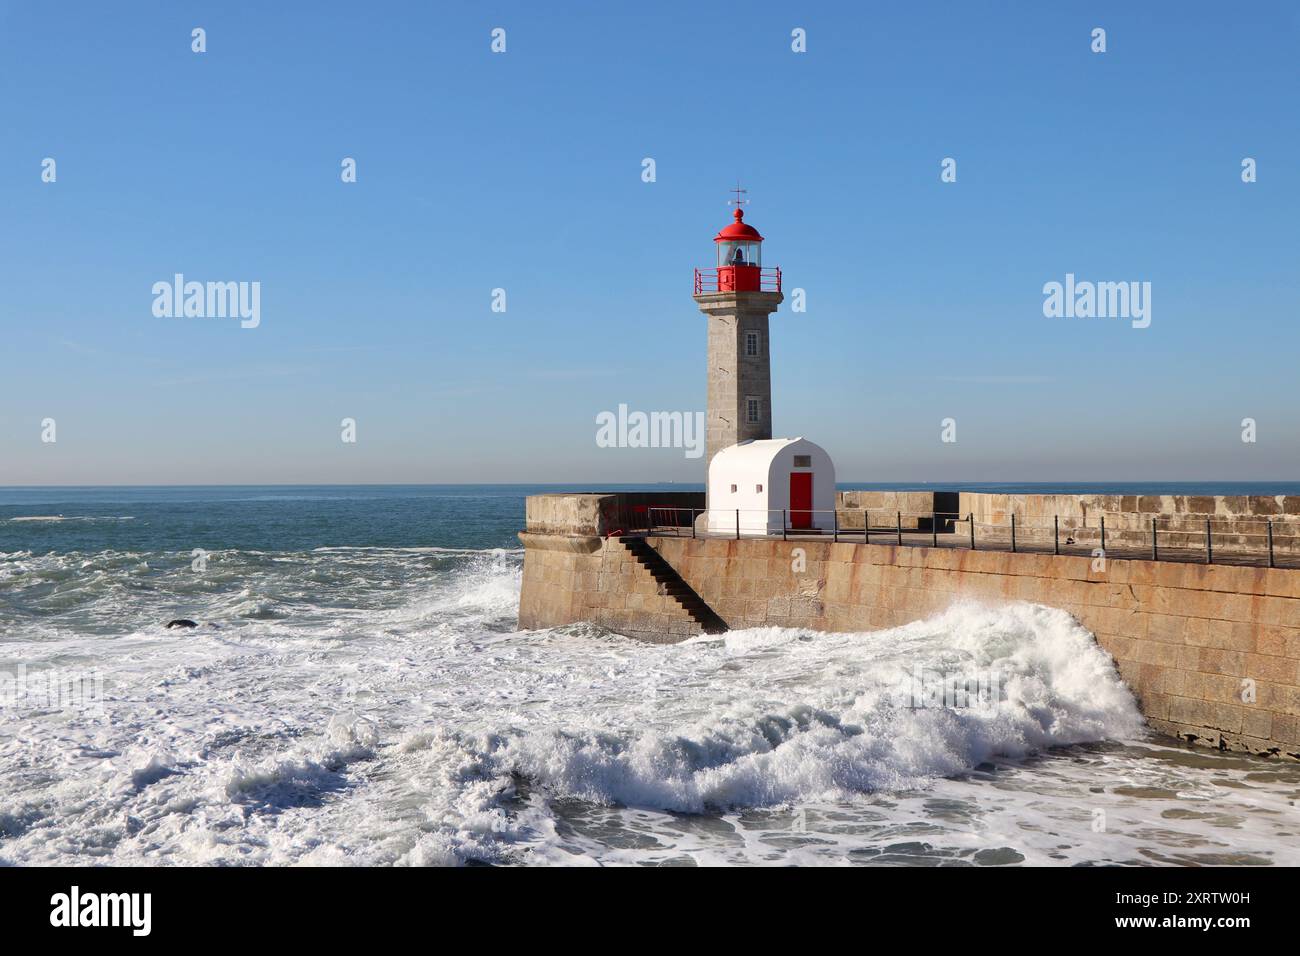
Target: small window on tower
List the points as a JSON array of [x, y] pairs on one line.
[[758, 489], [752, 410], [751, 343], [803, 461], [733, 489]]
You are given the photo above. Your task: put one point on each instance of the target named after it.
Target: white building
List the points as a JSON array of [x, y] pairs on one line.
[[760, 484]]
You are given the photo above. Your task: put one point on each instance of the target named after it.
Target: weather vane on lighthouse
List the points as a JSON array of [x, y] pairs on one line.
[[738, 202]]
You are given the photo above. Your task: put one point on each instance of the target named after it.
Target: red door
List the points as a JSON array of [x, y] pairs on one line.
[[801, 499]]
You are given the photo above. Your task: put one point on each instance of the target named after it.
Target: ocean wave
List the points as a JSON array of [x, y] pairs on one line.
[[309, 592], [805, 716], [284, 781], [55, 518]]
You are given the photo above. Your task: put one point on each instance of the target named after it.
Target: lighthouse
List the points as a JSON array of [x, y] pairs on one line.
[[738, 295], [757, 485]]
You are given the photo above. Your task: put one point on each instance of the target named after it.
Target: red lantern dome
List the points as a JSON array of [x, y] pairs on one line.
[[740, 260], [738, 231]]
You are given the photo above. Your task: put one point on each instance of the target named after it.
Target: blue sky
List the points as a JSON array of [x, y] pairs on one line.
[[522, 171]]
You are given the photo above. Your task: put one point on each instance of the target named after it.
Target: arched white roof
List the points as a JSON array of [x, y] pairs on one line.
[[758, 454]]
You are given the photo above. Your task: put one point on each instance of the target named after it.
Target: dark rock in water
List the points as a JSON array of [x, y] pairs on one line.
[[181, 622]]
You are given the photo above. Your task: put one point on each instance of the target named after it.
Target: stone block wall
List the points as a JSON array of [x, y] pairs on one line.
[[915, 508], [1134, 512], [570, 579], [1238, 522], [600, 513]]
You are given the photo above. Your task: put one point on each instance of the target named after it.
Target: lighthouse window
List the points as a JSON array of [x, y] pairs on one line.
[[751, 343], [739, 254], [752, 410]]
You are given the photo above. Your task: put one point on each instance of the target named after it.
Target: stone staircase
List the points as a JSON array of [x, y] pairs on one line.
[[671, 585]]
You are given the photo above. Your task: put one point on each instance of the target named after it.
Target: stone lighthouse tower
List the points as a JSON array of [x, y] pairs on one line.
[[738, 295]]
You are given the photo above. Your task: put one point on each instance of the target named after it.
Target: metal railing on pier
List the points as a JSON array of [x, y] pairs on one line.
[[1276, 543]]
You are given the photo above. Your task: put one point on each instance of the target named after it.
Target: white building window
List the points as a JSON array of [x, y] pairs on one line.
[[753, 410], [733, 489], [758, 489], [751, 344]]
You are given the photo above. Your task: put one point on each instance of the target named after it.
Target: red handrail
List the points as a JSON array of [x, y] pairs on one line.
[[706, 280]]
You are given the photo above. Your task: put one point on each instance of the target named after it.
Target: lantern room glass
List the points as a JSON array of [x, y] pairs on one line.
[[739, 253]]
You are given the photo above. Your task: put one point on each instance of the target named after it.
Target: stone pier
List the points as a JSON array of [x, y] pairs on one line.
[[1212, 652]]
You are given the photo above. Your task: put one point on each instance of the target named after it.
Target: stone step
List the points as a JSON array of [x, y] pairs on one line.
[[673, 586]]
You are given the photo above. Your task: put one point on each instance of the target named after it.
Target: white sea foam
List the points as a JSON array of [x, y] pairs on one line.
[[380, 707]]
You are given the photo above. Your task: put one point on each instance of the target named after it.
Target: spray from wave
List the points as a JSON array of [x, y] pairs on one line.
[[777, 716]]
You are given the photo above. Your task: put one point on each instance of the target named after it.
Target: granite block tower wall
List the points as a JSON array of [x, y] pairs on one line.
[[739, 370]]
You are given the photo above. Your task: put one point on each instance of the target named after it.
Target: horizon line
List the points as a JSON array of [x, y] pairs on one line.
[[508, 484]]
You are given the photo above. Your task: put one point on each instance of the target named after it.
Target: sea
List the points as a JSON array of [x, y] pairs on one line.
[[358, 692]]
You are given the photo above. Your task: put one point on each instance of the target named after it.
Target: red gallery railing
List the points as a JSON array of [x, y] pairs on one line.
[[725, 279]]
